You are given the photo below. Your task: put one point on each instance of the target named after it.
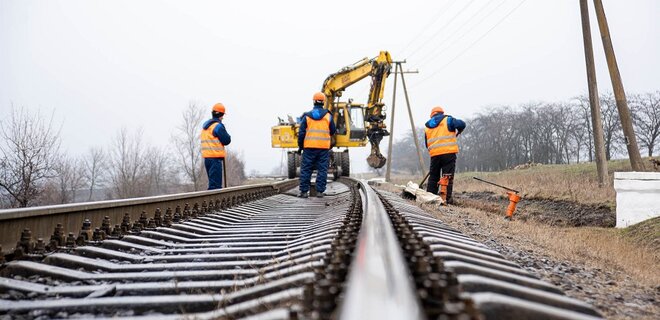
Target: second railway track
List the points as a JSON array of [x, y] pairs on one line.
[[355, 254]]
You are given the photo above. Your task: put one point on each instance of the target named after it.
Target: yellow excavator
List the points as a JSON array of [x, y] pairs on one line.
[[356, 123]]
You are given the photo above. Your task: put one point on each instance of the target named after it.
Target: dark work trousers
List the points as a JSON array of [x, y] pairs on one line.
[[214, 172], [442, 164], [314, 159]]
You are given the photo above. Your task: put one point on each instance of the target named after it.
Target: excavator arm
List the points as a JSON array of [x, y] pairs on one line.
[[378, 68]]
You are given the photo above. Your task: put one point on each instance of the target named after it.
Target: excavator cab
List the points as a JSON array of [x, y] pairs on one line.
[[356, 123], [349, 120]]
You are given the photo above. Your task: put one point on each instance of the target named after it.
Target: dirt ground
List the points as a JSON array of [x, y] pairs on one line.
[[544, 240], [562, 213]]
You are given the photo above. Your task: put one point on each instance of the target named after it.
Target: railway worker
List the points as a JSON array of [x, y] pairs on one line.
[[314, 137], [441, 133], [214, 138]]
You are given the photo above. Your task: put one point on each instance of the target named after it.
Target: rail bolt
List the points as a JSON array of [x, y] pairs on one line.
[[99, 235], [126, 223], [151, 224], [137, 227], [167, 220], [143, 219], [116, 231], [186, 211], [58, 238], [105, 225], [71, 240], [158, 218], [85, 232], [25, 243], [40, 247]]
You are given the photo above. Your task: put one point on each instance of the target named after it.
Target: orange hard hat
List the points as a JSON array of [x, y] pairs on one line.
[[437, 109], [319, 96], [219, 107]]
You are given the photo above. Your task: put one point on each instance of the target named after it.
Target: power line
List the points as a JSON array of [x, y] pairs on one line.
[[441, 44], [471, 45], [433, 20], [460, 11]]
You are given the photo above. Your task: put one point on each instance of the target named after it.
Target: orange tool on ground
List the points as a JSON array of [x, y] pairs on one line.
[[513, 201], [443, 182], [514, 198]]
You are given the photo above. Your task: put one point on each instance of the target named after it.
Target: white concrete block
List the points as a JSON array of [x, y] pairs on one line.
[[637, 197]]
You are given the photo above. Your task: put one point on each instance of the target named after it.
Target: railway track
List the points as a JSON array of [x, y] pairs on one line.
[[262, 253]]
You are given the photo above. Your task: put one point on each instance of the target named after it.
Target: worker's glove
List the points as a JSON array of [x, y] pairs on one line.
[[299, 151]]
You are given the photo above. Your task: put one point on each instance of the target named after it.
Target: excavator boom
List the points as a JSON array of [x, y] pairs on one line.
[[378, 68]]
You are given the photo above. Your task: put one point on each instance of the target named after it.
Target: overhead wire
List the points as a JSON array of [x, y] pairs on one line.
[[460, 11], [446, 41], [434, 19], [470, 46]]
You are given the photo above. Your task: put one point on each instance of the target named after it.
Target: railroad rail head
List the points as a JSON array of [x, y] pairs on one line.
[[50, 222]]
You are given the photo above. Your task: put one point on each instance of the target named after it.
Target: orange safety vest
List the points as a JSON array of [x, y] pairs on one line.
[[318, 133], [211, 145], [440, 140]]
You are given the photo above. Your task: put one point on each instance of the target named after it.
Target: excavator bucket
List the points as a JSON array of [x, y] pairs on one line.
[[376, 159]]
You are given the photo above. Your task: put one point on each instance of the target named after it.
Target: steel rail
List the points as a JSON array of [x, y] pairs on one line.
[[248, 260], [490, 285], [42, 220], [379, 285]]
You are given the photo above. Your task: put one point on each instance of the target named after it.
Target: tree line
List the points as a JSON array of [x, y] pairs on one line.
[[35, 170], [547, 133]]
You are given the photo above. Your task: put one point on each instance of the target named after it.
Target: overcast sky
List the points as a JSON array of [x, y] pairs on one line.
[[101, 65]]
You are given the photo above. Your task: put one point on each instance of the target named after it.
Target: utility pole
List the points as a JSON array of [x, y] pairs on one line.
[[594, 102], [412, 123], [619, 93], [389, 143]]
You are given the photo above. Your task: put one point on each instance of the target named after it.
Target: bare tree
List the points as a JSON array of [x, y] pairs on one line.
[[69, 178], [128, 165], [583, 110], [186, 142], [235, 166], [94, 168], [159, 173], [404, 154], [28, 151], [612, 131], [646, 113]]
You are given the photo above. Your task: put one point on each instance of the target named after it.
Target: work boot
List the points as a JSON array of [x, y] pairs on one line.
[[320, 194], [303, 195]]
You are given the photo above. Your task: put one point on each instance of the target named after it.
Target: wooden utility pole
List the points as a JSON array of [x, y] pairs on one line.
[[619, 93], [412, 123], [594, 102], [389, 143]]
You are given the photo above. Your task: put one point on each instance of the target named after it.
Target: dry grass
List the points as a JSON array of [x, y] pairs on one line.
[[594, 247], [634, 250], [646, 233], [575, 182], [629, 257]]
